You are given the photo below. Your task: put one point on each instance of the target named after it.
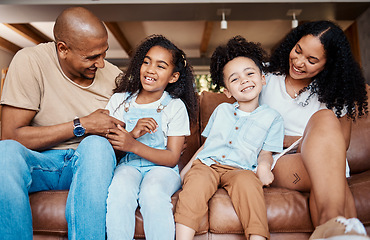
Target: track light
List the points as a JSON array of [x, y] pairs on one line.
[[294, 21], [294, 13], [223, 21], [223, 12]]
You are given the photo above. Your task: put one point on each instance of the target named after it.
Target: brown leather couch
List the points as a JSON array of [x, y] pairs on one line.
[[287, 211]]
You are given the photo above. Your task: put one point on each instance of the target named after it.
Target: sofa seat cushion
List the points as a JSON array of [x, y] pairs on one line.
[[358, 153], [360, 188], [287, 211], [48, 212]]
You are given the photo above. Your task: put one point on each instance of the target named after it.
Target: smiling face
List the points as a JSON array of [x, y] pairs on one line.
[[307, 58], [243, 80], [157, 70], [80, 63]]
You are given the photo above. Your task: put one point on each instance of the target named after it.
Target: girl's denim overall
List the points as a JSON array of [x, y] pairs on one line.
[[139, 181]]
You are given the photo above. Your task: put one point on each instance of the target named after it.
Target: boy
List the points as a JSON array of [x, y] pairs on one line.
[[237, 154]]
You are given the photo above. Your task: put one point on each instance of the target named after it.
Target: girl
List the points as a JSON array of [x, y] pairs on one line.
[[318, 88], [155, 99]]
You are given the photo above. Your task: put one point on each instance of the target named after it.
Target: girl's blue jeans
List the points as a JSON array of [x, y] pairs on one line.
[[151, 187], [86, 172]]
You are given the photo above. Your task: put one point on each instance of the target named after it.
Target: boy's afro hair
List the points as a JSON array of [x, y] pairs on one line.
[[235, 47]]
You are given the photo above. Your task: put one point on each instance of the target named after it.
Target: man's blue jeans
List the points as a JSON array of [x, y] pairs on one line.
[[86, 172]]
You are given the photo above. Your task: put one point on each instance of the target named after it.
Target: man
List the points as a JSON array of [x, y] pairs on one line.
[[53, 102]]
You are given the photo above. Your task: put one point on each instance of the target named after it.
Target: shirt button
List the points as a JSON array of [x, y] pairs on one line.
[[223, 156], [236, 128], [230, 142], [234, 113]]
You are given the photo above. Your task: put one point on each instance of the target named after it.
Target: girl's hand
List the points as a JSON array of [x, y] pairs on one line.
[[143, 126], [121, 140], [264, 174]]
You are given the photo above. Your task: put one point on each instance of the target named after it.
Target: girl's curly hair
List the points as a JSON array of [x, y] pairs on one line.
[[183, 88], [235, 47], [341, 84]]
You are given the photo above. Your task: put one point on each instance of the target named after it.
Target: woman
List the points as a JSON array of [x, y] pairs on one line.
[[319, 89]]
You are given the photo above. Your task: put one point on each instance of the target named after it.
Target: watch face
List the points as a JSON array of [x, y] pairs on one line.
[[79, 131]]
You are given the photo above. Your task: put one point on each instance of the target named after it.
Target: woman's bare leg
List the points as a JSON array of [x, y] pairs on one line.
[[323, 152], [350, 208], [290, 172], [320, 168]]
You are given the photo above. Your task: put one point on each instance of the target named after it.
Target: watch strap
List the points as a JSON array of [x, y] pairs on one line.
[[76, 122]]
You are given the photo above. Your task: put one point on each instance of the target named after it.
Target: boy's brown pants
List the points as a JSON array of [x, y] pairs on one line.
[[243, 187]]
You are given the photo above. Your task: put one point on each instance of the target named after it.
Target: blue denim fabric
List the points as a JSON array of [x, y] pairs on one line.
[[86, 172], [151, 188], [138, 181]]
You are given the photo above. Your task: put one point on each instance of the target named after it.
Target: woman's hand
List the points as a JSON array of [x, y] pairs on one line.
[[143, 126]]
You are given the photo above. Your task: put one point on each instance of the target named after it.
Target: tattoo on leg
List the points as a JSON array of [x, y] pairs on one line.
[[297, 178]]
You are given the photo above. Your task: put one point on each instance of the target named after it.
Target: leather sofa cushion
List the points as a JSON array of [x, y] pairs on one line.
[[208, 102], [287, 212], [358, 153], [360, 188], [48, 212]]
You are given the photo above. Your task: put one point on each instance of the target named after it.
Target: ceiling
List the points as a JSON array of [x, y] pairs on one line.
[[194, 26]]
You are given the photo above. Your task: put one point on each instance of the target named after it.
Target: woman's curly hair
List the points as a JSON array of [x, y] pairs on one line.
[[183, 88], [341, 84], [235, 47]]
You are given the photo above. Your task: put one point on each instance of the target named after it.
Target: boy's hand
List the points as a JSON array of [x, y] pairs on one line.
[[264, 174], [143, 126]]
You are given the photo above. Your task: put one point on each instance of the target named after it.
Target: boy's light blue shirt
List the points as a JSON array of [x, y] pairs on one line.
[[235, 138]]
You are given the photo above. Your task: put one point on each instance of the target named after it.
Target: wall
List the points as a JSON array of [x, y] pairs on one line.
[[5, 58], [363, 24]]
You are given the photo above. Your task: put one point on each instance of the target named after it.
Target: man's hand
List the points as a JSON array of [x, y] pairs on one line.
[[16, 125], [100, 123]]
